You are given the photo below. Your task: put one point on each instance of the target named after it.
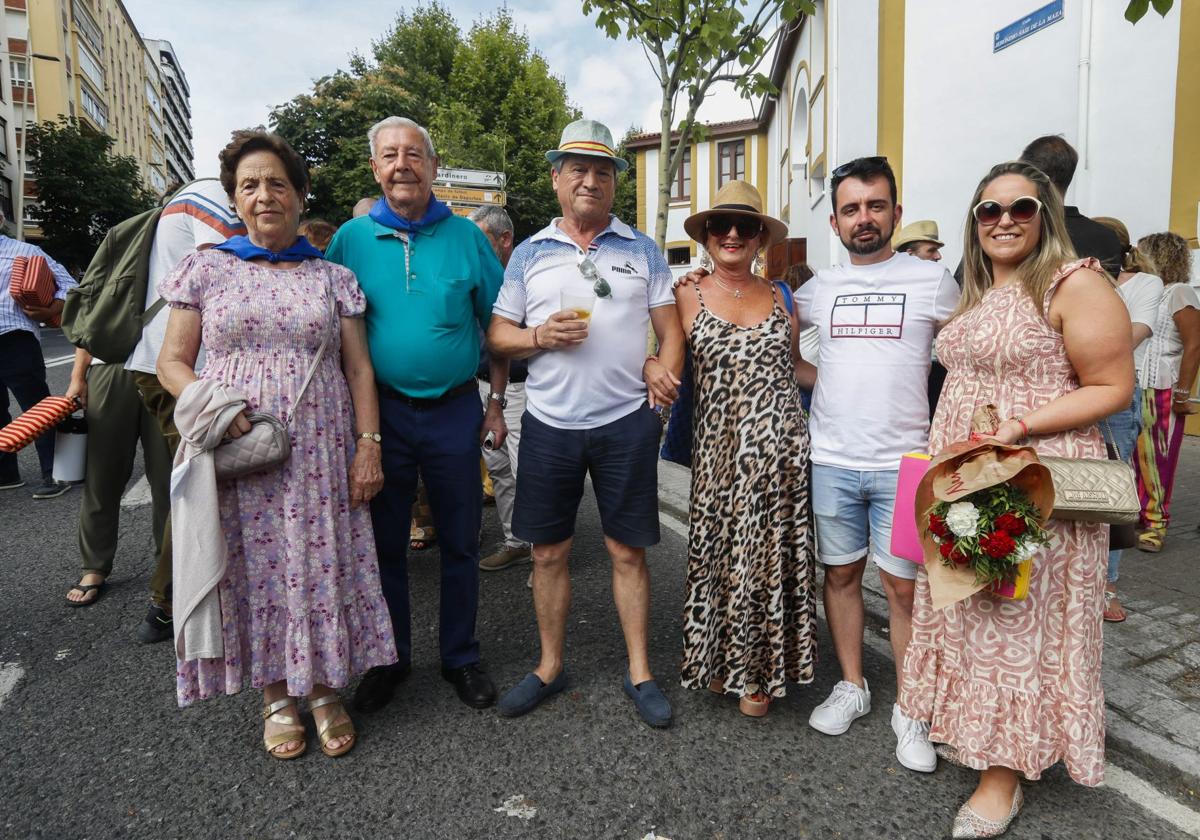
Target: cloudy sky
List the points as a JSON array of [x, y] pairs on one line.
[[241, 58]]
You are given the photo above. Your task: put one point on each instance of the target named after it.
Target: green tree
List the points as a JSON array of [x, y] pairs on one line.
[[487, 97], [691, 47], [82, 188], [625, 201]]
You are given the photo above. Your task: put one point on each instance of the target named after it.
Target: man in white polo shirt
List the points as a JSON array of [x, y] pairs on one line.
[[588, 286], [877, 318]]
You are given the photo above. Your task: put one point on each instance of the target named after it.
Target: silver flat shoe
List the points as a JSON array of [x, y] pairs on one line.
[[948, 754], [970, 824]]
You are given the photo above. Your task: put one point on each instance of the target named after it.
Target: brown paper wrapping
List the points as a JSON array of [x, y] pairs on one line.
[[959, 470]]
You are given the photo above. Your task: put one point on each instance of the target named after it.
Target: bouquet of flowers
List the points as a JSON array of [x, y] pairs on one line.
[[991, 532]]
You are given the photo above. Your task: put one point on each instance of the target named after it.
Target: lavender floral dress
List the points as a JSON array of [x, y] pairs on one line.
[[301, 600]]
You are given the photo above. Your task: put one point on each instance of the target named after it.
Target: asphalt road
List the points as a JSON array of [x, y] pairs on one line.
[[95, 746]]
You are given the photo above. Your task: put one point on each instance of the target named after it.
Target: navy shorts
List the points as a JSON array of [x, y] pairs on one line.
[[622, 459]]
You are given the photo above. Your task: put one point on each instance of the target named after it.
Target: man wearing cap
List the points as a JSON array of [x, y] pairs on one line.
[[430, 279], [921, 240], [577, 300]]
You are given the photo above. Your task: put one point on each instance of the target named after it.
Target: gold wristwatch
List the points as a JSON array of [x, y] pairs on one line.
[[375, 436]]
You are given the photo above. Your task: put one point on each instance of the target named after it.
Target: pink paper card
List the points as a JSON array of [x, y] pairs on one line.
[[906, 535]]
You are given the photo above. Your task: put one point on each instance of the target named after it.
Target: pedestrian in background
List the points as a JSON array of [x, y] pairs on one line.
[[22, 366], [318, 232], [197, 216], [749, 618], [1141, 290], [301, 611], [1167, 372], [430, 279], [588, 287], [501, 461], [1012, 687]]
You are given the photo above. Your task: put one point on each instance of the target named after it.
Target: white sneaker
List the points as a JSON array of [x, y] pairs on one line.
[[845, 705], [913, 749]]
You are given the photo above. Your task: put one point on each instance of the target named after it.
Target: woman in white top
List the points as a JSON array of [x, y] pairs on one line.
[[1141, 290], [1166, 366]]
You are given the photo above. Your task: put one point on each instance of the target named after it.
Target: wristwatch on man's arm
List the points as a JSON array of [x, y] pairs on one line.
[[499, 398]]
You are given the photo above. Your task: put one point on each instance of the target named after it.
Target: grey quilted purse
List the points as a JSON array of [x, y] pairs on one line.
[[1094, 490], [268, 443]]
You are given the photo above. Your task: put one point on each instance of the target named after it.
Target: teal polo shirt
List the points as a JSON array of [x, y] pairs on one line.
[[426, 307]]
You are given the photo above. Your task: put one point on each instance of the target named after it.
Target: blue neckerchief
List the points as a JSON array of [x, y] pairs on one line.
[[384, 215], [243, 248]]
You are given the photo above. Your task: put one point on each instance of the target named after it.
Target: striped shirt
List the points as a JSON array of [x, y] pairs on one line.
[[11, 316]]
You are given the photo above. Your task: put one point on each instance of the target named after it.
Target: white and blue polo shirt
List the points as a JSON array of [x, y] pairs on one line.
[[601, 380]]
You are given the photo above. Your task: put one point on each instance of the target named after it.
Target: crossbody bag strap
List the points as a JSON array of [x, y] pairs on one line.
[[153, 310], [317, 360]]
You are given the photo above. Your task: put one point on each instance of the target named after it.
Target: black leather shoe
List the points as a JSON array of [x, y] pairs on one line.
[[473, 685], [378, 685]]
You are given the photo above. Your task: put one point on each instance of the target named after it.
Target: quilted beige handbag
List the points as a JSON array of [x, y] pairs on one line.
[[1094, 490], [268, 443]]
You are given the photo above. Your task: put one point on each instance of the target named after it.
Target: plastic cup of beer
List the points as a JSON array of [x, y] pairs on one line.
[[579, 302]]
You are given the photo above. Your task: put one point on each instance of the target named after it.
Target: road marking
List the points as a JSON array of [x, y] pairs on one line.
[[1143, 794], [60, 360], [517, 806], [673, 524], [60, 655], [137, 495], [10, 675]]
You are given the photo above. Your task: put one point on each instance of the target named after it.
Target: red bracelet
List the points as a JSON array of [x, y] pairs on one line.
[[1024, 428], [535, 341]]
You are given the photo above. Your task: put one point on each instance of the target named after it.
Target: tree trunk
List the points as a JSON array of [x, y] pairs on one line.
[[664, 172]]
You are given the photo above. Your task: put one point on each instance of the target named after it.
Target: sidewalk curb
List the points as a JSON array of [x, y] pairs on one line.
[[1176, 768]]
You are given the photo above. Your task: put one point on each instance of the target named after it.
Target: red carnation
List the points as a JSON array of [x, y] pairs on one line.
[[945, 548], [958, 558], [1011, 524], [937, 526], [997, 544]]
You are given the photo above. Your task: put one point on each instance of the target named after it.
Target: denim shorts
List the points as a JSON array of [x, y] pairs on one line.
[[853, 512], [622, 459]]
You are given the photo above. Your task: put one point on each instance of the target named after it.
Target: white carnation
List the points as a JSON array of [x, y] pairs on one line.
[[1026, 550], [963, 519]]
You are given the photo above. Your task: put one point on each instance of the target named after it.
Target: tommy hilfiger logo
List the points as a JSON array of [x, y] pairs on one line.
[[626, 269], [867, 316]]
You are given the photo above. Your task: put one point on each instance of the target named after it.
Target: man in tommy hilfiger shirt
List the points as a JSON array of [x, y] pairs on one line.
[[877, 318], [577, 299]]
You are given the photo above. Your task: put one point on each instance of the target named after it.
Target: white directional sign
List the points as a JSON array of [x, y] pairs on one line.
[[471, 178]]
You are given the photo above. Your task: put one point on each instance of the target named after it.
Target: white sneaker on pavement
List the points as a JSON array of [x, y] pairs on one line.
[[846, 704], [913, 749]]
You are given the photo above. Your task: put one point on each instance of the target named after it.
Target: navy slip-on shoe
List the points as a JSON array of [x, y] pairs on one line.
[[526, 695], [652, 705]]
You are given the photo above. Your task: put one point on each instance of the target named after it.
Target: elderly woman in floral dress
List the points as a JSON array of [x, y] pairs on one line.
[[300, 604]]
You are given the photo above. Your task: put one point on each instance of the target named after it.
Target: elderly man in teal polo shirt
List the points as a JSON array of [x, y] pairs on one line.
[[430, 279]]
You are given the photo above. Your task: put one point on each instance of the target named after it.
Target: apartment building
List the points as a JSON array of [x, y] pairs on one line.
[[86, 59], [176, 112]]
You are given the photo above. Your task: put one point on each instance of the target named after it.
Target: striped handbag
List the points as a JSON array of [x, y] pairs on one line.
[[35, 422]]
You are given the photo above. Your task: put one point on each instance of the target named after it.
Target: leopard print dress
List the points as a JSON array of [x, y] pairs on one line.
[[749, 620]]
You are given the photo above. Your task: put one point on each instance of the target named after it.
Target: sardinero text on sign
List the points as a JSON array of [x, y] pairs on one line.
[[466, 194], [471, 178], [1026, 26]]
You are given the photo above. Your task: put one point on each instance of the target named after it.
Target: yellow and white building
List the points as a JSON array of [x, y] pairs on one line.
[[921, 82]]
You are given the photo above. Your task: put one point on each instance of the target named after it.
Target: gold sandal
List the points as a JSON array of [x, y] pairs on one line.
[[331, 730], [273, 713]]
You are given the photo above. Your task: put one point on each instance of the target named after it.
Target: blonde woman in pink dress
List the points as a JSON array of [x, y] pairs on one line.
[[1013, 687]]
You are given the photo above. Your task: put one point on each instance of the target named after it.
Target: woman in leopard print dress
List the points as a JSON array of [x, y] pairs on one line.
[[749, 620]]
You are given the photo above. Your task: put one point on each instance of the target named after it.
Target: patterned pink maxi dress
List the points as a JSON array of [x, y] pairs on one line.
[[301, 600], [1015, 683]]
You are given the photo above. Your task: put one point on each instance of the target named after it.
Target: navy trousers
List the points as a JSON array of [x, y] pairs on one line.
[[441, 441], [23, 371]]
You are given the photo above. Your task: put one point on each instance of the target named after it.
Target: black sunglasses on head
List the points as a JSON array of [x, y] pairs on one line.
[[859, 163], [747, 226]]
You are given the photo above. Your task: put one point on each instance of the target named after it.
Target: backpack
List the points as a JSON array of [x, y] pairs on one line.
[[105, 314]]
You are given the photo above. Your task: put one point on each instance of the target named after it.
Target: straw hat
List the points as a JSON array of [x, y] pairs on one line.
[[922, 231], [588, 138], [737, 198]]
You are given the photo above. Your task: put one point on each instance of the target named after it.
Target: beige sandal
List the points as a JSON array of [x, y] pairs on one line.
[[274, 713], [755, 705], [331, 730]]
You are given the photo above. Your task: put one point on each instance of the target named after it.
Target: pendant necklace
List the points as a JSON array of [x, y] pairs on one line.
[[737, 293]]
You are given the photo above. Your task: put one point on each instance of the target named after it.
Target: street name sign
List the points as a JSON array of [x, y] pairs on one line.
[[1026, 26], [468, 195], [471, 178]]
